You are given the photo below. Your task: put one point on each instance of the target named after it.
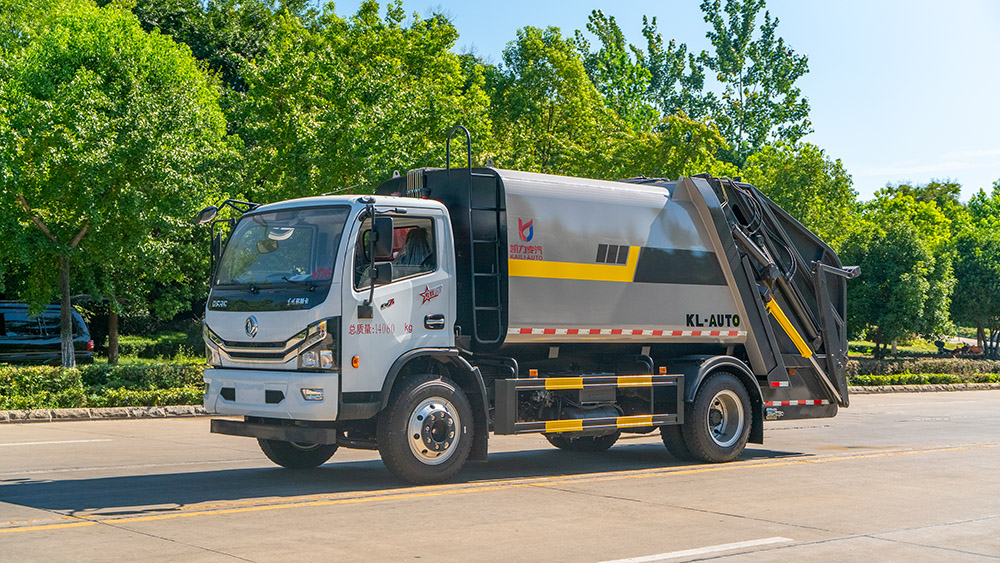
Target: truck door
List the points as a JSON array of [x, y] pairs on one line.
[[414, 310]]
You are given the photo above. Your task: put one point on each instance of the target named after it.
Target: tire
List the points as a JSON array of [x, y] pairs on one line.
[[583, 443], [296, 456], [418, 452], [673, 439], [717, 425]]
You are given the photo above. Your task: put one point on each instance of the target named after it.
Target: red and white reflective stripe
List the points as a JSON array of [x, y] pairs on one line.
[[801, 403], [624, 332], [779, 384]]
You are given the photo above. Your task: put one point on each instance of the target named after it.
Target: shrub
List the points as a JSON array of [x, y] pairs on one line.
[[923, 379], [100, 385], [142, 375], [162, 345], [957, 366]]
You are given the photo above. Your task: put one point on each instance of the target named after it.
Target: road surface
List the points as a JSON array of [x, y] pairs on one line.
[[904, 477]]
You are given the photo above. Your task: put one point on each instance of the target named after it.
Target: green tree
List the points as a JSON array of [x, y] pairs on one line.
[[677, 79], [615, 72], [977, 270], [808, 184], [545, 107], [345, 102], [760, 102], [904, 249], [107, 143]]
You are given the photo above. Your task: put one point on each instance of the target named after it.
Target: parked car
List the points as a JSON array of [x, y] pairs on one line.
[[26, 339]]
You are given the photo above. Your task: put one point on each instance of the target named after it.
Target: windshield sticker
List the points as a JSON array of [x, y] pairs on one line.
[[430, 293], [298, 301]]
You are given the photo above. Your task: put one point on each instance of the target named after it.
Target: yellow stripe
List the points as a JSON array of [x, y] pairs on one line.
[[635, 380], [641, 420], [564, 383], [575, 270], [564, 425], [779, 315]]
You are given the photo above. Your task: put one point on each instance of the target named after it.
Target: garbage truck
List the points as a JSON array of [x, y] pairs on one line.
[[462, 301]]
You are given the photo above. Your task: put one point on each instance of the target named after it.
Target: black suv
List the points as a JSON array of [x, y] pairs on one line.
[[25, 339]]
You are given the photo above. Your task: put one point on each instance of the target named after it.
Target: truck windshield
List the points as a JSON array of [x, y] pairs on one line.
[[286, 247]]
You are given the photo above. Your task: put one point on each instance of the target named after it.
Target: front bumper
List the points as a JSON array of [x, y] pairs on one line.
[[246, 392]]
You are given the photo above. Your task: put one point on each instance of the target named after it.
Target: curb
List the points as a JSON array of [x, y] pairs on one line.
[[927, 388], [114, 413]]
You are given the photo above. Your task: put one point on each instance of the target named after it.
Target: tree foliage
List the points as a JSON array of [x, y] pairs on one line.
[[345, 102], [107, 143], [903, 248], [808, 184], [760, 101], [977, 269]]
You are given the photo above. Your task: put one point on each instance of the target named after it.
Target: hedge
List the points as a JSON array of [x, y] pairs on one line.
[[957, 366], [162, 345], [923, 379], [100, 385]]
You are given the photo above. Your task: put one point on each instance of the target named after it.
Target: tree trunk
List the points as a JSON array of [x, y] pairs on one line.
[[65, 315], [893, 346], [112, 337], [980, 335]]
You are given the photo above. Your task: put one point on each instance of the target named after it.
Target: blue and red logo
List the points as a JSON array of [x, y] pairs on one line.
[[525, 230]]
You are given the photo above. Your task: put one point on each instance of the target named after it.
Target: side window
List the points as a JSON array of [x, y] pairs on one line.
[[413, 249]]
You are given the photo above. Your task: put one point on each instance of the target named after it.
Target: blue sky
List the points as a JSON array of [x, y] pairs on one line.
[[900, 90]]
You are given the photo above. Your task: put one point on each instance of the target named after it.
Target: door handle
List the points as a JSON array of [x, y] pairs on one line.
[[434, 322]]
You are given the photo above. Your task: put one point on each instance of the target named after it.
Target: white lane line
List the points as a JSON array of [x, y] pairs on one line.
[[702, 550], [48, 443]]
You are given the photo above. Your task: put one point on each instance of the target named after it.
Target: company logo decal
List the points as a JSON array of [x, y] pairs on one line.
[[718, 320], [430, 293], [525, 230], [387, 304], [251, 326]]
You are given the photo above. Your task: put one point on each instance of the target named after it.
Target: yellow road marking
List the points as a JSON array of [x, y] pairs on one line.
[[450, 489], [575, 270]]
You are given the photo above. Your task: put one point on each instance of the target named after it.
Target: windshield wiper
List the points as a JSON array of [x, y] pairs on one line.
[[310, 284]]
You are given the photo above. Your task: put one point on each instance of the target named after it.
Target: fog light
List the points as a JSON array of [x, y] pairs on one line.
[[325, 359], [312, 394], [309, 359]]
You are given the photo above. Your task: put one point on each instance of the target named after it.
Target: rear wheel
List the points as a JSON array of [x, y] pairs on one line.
[[294, 455], [425, 434], [673, 439], [583, 443], [717, 425]]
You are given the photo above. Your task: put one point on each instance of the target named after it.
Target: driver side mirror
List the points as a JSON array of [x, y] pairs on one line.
[[382, 230]]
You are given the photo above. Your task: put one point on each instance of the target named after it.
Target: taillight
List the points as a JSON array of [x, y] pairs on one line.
[[90, 345]]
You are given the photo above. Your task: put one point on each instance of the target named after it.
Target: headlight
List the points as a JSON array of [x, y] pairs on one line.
[[308, 359], [318, 349]]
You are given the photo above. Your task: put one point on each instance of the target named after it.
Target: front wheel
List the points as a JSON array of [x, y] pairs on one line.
[[425, 434], [717, 425], [294, 455], [583, 443]]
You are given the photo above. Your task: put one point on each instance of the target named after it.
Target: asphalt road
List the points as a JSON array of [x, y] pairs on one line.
[[908, 477]]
